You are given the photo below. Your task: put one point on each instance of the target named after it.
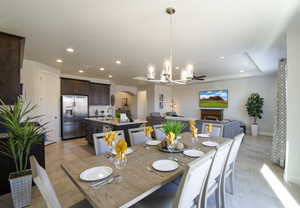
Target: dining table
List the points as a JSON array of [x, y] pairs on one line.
[[138, 178]]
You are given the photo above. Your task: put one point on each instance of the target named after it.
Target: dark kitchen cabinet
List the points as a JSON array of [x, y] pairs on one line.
[[99, 94], [11, 62], [74, 87]]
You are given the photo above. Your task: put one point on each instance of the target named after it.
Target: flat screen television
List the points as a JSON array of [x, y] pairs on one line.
[[213, 99]]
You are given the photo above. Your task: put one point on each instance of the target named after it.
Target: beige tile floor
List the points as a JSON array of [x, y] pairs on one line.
[[251, 189]]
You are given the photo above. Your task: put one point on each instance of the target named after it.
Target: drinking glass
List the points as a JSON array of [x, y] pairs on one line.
[[120, 163], [194, 142]]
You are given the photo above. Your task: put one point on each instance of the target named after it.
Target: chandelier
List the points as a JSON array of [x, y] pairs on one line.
[[166, 75]]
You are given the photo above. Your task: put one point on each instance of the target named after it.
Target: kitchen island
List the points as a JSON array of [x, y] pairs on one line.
[[99, 125]]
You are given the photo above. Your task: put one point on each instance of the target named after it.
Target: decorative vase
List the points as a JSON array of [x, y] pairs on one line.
[[254, 130], [20, 186]]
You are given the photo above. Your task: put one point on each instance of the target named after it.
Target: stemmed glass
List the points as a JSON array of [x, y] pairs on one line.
[[194, 142]]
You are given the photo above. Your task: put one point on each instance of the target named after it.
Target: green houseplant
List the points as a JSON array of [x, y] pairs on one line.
[[22, 133], [173, 126], [254, 107]]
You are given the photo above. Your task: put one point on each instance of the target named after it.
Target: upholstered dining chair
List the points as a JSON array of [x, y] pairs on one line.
[[228, 171], [137, 136], [100, 145], [42, 181], [189, 192], [217, 129], [213, 182], [158, 132]]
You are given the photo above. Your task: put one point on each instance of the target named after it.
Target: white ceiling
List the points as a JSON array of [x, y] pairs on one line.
[[248, 33]]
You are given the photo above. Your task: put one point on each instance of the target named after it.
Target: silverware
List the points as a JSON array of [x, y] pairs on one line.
[[179, 161], [104, 182], [153, 171]]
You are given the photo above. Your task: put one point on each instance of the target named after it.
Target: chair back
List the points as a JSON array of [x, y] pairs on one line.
[[218, 163], [159, 133], [100, 145], [217, 129], [43, 183], [137, 136], [235, 148], [193, 181]]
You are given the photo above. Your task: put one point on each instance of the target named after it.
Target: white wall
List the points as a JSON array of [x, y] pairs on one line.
[[187, 98], [150, 91], [293, 99], [41, 84]]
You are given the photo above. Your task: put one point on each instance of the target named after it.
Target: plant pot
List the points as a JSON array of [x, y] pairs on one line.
[[254, 130], [20, 186]]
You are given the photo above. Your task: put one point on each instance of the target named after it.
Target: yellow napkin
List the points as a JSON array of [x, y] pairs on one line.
[[209, 128], [192, 123], [170, 137], [194, 131], [121, 148], [148, 130], [110, 137]]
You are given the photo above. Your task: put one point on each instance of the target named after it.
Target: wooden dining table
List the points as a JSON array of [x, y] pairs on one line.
[[138, 178]]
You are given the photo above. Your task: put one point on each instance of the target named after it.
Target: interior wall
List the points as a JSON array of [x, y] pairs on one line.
[[150, 90], [42, 83], [131, 101], [142, 104], [187, 99], [292, 171], [167, 93]]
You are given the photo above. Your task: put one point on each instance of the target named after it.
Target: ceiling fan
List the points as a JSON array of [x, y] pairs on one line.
[[187, 74]]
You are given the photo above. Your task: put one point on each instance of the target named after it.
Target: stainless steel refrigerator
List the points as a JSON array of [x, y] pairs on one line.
[[74, 110]]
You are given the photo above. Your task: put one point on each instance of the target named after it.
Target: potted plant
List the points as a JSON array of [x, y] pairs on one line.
[[255, 110], [175, 127], [22, 133]]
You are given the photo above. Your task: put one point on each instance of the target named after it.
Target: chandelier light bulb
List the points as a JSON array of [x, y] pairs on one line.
[[151, 72]]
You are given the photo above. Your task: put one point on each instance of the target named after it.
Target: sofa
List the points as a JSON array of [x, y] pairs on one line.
[[231, 128]]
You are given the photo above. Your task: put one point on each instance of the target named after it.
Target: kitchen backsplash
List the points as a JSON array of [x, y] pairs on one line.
[[93, 108]]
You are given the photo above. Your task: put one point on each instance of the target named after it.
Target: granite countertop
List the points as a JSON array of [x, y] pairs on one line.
[[115, 122]]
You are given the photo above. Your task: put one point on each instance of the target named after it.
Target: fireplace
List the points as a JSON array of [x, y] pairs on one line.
[[212, 114]]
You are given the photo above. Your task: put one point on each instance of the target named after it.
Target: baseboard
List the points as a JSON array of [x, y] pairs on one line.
[[266, 133], [293, 179]]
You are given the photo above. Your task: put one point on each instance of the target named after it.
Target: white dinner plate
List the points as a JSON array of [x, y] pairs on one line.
[[210, 144], [165, 165], [153, 142], [128, 151], [203, 135], [193, 153], [96, 173]]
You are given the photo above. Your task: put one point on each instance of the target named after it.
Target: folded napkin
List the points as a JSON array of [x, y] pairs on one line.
[[110, 137], [192, 123], [209, 128], [121, 148], [148, 130], [170, 137], [194, 131]]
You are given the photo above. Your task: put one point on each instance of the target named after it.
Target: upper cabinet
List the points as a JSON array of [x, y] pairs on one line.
[[74, 87], [99, 94], [11, 61]]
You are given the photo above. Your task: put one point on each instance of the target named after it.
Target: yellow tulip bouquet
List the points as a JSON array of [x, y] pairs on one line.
[[148, 130], [120, 148], [110, 137]]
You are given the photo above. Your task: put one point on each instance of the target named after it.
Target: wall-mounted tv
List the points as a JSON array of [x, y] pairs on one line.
[[213, 99]]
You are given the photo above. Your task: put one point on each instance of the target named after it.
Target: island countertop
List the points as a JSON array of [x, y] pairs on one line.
[[115, 122]]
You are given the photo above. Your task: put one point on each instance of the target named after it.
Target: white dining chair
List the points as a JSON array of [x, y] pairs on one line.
[[100, 145], [217, 129], [213, 182], [42, 181], [228, 171], [158, 132], [188, 193], [137, 136]]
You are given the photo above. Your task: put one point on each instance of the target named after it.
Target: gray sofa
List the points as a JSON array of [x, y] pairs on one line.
[[231, 128]]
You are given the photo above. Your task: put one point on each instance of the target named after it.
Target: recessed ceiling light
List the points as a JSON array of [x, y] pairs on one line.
[[101, 69], [59, 60], [222, 57], [110, 76], [118, 62], [70, 50], [242, 71], [80, 71]]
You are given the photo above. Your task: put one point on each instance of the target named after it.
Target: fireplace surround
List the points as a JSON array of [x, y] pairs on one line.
[[212, 114]]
